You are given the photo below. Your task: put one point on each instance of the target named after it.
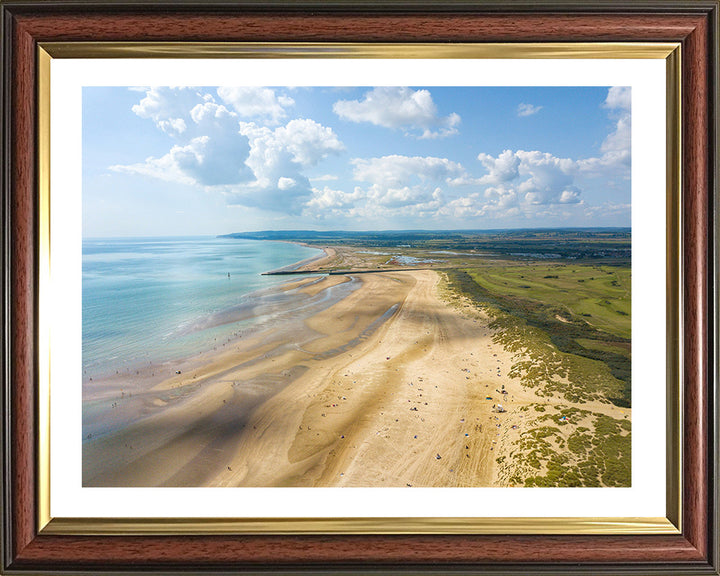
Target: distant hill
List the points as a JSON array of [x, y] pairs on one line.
[[391, 236], [556, 243]]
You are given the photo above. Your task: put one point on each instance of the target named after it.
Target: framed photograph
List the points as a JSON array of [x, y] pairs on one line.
[[381, 287]]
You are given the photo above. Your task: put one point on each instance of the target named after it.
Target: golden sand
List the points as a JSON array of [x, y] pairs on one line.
[[388, 387]]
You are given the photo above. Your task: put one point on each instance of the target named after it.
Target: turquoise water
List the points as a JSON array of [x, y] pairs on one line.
[[158, 299]]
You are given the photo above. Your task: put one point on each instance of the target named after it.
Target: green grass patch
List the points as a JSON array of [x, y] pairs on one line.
[[597, 457], [554, 322], [604, 292]]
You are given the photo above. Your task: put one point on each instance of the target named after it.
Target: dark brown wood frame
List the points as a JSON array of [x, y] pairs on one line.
[[692, 23]]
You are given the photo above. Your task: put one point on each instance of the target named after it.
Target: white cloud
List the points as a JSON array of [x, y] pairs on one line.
[[215, 151], [308, 141], [402, 185], [619, 97], [518, 183], [501, 169], [282, 152], [413, 111], [285, 183], [167, 107], [497, 201], [205, 161], [570, 196], [547, 177], [164, 168], [251, 165], [208, 112], [324, 178], [397, 186], [256, 102], [397, 171], [336, 202], [277, 158], [616, 148], [527, 109], [173, 125]]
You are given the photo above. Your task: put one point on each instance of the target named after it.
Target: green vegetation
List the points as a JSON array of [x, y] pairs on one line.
[[557, 451], [595, 244], [569, 350], [603, 296], [622, 348], [560, 301], [569, 327]]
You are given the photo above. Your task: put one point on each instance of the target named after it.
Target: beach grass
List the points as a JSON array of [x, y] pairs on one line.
[[578, 432], [325, 400], [550, 322]]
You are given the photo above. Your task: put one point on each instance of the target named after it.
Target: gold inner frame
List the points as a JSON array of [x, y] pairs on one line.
[[671, 524]]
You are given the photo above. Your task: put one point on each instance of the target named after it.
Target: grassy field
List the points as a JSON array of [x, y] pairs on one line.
[[599, 245], [560, 302], [599, 295], [580, 311], [569, 327]]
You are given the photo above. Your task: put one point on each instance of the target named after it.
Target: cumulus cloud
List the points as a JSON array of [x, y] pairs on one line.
[[278, 157], [535, 182], [206, 161], [215, 151], [238, 142], [407, 186], [619, 97], [518, 183], [496, 201], [547, 176], [396, 171], [413, 111], [327, 202], [167, 107], [256, 102], [616, 148], [282, 152], [527, 109], [251, 164], [501, 169]]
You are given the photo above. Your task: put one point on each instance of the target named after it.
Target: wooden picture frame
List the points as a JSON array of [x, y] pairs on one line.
[[30, 548]]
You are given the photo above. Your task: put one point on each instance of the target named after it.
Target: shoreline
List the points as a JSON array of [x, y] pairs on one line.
[[302, 265], [330, 399], [209, 321], [382, 378]]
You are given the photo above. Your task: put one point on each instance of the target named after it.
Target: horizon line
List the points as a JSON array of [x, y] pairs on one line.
[[378, 231]]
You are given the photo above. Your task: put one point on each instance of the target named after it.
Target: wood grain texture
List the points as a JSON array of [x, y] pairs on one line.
[[687, 553], [696, 208], [22, 286], [218, 552], [372, 28]]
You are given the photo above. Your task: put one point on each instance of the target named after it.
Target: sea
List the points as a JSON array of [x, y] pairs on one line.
[[147, 300]]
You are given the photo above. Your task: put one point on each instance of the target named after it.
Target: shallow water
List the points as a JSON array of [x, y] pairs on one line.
[[158, 299]]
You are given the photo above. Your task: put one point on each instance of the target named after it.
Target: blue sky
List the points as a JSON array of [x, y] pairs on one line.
[[214, 160]]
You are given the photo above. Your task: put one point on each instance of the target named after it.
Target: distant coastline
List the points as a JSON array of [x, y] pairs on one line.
[[393, 365]]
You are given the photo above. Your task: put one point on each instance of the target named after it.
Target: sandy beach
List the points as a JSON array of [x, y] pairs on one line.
[[387, 387]]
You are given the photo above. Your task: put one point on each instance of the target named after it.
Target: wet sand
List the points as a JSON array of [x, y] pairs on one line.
[[386, 386]]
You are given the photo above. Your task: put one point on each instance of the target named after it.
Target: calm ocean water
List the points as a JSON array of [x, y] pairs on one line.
[[157, 299]]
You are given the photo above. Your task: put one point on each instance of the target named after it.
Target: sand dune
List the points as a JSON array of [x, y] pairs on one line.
[[387, 387]]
